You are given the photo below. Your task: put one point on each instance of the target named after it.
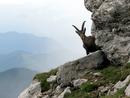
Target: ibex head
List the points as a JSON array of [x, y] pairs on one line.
[[81, 32]]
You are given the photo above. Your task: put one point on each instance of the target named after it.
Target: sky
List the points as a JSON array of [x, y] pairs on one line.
[[49, 18]]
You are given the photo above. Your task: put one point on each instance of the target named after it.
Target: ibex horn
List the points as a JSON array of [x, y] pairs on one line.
[[76, 28], [83, 25]]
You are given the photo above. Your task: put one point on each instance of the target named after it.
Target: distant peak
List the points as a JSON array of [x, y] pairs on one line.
[[12, 32]]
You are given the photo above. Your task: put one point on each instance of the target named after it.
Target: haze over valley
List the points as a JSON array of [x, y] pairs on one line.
[[21, 50], [23, 55], [37, 36]]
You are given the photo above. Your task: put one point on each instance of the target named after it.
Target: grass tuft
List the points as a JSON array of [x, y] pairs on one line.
[[42, 78]]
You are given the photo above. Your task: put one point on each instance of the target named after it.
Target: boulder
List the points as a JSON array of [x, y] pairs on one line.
[[46, 96], [127, 91], [121, 84], [111, 27], [79, 82], [97, 74], [78, 68], [33, 91], [51, 79], [58, 90], [66, 91], [103, 89]]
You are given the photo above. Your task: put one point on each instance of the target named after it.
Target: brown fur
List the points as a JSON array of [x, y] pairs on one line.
[[88, 41]]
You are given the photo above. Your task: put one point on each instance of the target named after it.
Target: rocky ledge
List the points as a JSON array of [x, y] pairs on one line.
[[88, 77]]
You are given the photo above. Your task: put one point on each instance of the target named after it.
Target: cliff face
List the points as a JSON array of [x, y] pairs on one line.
[[111, 26]]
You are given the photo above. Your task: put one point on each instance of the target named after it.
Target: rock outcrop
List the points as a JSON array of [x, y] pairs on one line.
[[68, 75], [66, 91], [77, 83], [78, 68], [111, 27], [127, 91], [119, 85], [33, 91], [52, 79]]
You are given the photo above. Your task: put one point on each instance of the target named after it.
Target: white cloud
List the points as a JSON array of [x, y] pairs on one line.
[[24, 2], [10, 2]]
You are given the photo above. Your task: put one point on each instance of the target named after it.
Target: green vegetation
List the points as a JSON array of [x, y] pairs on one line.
[[88, 87], [109, 75], [78, 94], [83, 94], [113, 74], [42, 77], [83, 91]]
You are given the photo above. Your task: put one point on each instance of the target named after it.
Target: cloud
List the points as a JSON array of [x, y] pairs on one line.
[[25, 2], [10, 2]]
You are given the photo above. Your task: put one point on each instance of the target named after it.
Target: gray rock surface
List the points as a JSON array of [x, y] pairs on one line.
[[111, 27], [33, 91], [46, 96], [79, 82], [103, 89], [92, 5], [127, 91], [66, 91], [121, 84], [51, 79], [58, 90], [97, 74], [78, 68]]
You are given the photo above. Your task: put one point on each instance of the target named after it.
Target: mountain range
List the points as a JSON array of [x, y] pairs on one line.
[[13, 81], [21, 53], [21, 50], [14, 41]]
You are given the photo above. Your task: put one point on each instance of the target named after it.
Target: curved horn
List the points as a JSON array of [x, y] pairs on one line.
[[76, 28], [84, 30], [83, 25]]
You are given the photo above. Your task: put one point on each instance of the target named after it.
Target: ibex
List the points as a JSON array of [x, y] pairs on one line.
[[88, 41]]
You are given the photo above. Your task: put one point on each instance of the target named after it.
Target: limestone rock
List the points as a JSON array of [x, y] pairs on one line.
[[121, 84], [103, 89], [66, 91], [51, 79], [33, 91], [111, 27], [74, 70], [97, 74], [58, 90], [46, 96], [92, 5], [127, 91], [79, 82]]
